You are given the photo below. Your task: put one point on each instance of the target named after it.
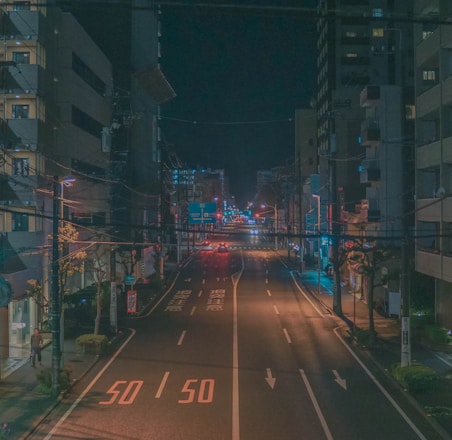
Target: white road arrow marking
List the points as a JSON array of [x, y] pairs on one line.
[[270, 379], [339, 380]]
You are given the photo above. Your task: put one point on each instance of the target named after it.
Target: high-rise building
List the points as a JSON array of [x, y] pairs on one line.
[[365, 126], [433, 61], [55, 93]]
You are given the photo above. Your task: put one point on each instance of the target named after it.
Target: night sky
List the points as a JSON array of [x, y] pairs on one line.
[[239, 76], [239, 79]]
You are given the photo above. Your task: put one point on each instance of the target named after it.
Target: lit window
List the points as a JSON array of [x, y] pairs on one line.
[[378, 32], [428, 75], [21, 111], [351, 55], [377, 12], [351, 34], [21, 166]]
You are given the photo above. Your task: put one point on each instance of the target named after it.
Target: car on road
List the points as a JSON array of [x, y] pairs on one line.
[[206, 246], [222, 248]]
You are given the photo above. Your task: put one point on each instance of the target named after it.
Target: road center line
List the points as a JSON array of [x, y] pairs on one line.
[[235, 358], [269, 293], [162, 385], [193, 311], [287, 336], [182, 336], [276, 310], [326, 430], [200, 293]]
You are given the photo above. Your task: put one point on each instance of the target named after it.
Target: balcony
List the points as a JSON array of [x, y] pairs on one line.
[[370, 133], [369, 171], [427, 47], [428, 262], [369, 96]]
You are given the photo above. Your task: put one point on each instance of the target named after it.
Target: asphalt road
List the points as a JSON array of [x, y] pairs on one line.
[[235, 351]]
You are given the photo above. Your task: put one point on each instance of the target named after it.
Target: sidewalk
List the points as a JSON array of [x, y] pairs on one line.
[[22, 406]]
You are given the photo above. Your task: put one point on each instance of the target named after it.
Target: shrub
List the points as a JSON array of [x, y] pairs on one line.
[[417, 378], [362, 336], [91, 344], [436, 334], [439, 411], [44, 377]]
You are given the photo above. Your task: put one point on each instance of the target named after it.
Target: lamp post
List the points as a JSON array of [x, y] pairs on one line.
[[56, 309], [65, 182], [317, 197]]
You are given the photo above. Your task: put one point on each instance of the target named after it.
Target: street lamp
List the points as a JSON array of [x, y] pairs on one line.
[[317, 197]]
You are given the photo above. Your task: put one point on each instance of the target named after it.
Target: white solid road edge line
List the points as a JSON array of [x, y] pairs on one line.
[[88, 388], [381, 388]]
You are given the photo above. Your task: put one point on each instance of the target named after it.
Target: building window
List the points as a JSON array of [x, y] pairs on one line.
[[378, 32], [21, 57], [21, 166], [21, 111], [351, 55], [351, 34], [429, 75], [86, 122], [21, 6], [410, 112], [82, 70], [426, 34], [377, 12], [20, 222]]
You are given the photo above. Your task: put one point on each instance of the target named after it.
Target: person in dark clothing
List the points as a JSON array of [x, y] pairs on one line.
[[36, 346]]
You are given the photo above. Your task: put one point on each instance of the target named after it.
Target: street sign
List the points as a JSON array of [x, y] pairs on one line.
[[202, 213], [130, 280]]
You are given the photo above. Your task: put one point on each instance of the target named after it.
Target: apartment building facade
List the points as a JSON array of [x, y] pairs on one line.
[[55, 101], [363, 140], [433, 153]]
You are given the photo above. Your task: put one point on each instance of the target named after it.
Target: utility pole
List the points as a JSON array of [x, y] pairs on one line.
[[335, 216], [55, 310]]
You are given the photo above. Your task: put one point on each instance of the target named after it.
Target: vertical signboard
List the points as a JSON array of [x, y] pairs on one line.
[[131, 301]]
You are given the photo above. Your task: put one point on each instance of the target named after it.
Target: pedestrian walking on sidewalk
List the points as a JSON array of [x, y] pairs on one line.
[[36, 347]]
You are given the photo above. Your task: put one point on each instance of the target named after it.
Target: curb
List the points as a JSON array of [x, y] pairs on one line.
[[367, 357], [39, 419]]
